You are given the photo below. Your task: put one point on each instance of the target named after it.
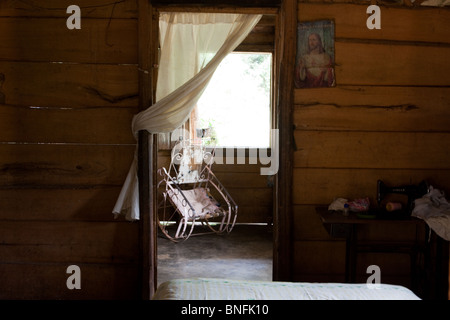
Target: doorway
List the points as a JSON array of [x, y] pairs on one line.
[[285, 13], [237, 108]]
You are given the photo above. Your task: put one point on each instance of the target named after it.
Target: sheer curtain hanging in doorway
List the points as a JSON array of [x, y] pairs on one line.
[[192, 47]]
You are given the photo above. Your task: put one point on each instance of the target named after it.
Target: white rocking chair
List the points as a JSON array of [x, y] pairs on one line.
[[191, 196]]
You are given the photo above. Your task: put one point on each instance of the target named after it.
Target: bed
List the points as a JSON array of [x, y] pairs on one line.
[[225, 289]]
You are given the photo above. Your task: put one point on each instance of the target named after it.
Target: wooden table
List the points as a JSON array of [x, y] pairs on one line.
[[434, 248], [340, 226]]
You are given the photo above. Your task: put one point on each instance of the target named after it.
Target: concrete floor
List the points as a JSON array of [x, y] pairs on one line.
[[245, 253]]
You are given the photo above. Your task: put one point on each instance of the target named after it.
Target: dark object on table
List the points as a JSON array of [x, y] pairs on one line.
[[413, 192]]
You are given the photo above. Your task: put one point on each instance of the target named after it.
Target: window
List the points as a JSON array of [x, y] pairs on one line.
[[236, 105]]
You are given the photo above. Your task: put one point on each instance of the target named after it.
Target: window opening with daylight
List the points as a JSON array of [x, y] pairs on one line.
[[236, 105]]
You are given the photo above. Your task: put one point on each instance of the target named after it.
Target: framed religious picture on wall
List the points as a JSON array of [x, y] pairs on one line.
[[314, 67]]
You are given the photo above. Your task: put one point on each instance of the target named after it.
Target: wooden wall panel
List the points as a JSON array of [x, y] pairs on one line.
[[47, 203], [316, 186], [382, 97], [359, 108], [387, 118], [421, 25], [261, 38], [400, 150], [403, 65], [324, 258], [306, 224], [41, 39], [98, 125], [44, 281], [57, 8], [63, 165], [68, 85], [67, 98], [45, 241]]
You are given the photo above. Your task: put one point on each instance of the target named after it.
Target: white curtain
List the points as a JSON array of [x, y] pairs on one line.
[[192, 47]]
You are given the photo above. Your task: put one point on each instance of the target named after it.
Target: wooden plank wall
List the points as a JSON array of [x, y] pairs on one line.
[[388, 118], [67, 99]]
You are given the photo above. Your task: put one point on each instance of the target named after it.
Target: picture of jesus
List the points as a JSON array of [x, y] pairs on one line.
[[315, 66]]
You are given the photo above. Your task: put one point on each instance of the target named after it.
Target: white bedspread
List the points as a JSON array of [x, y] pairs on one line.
[[222, 289]]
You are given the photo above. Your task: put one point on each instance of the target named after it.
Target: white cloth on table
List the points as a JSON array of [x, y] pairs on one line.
[[434, 209]]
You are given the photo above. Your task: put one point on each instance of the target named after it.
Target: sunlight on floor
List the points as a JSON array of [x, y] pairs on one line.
[[245, 253]]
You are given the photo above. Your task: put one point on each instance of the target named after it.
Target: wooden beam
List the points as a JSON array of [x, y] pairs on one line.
[[285, 53], [220, 9], [147, 252], [247, 4]]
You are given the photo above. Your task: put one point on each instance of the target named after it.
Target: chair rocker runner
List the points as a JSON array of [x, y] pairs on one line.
[[191, 196]]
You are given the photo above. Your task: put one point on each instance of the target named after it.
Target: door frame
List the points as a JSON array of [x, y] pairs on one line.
[[285, 48]]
